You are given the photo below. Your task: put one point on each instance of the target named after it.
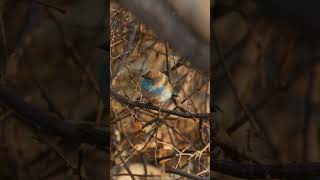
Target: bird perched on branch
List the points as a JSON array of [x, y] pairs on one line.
[[155, 87]]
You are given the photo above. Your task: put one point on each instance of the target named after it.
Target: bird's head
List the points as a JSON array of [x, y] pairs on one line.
[[155, 76]]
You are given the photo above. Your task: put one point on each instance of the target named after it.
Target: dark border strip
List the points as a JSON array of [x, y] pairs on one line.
[[250, 171], [42, 122]]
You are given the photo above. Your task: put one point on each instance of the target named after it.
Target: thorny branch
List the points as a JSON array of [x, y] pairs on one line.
[[139, 104]]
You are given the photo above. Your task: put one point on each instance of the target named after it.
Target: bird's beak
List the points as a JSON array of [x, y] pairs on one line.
[[144, 76]]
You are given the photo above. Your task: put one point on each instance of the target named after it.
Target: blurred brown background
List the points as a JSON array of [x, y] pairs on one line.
[[37, 64], [266, 74]]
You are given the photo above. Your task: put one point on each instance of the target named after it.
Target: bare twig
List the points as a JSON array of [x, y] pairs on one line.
[[159, 15], [134, 103], [51, 105], [44, 123], [248, 114], [184, 174], [126, 54], [283, 87], [58, 9]]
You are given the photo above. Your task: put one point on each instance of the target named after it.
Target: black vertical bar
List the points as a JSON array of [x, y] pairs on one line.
[[105, 76], [107, 70], [212, 86]]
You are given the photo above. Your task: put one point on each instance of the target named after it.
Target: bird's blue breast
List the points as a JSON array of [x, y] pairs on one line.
[[147, 85]]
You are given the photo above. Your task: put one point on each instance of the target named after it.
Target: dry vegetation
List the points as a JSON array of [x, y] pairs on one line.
[[146, 142], [54, 106]]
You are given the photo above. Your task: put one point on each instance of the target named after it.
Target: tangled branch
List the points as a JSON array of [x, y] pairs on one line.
[[139, 104], [44, 123]]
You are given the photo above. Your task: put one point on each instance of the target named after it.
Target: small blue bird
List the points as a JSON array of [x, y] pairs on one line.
[[155, 87]]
